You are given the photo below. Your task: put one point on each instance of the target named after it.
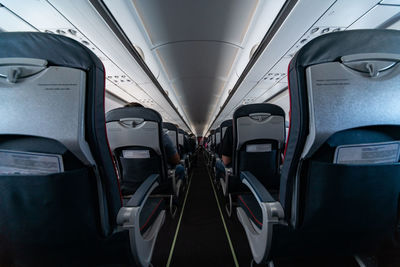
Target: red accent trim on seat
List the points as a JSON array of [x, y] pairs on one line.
[[151, 215], [290, 112], [257, 221]]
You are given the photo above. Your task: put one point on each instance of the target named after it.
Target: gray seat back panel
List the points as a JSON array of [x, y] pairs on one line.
[[57, 97], [249, 129], [341, 98], [145, 134]]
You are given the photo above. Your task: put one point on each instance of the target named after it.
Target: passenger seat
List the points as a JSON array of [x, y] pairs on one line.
[[340, 185], [60, 201]]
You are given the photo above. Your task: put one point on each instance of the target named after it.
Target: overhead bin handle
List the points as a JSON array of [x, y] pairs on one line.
[[371, 63]]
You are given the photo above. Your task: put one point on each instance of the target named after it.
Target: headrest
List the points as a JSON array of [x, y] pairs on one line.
[[146, 114], [134, 126], [258, 121], [64, 51], [246, 110]]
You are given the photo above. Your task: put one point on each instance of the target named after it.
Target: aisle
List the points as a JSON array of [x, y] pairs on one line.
[[201, 239]]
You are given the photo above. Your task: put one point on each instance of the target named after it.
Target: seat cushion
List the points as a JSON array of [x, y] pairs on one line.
[[149, 213], [250, 205]]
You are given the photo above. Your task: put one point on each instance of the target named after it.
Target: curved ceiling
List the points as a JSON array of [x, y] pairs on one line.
[[197, 44]]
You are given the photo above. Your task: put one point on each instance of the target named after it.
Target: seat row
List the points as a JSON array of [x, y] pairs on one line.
[[79, 187], [332, 186]]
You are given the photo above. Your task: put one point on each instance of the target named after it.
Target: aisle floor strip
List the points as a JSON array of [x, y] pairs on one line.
[[179, 224], [223, 221]]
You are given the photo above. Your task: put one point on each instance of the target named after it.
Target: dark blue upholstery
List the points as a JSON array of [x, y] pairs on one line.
[[340, 208]]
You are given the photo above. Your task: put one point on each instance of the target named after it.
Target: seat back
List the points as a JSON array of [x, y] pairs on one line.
[[135, 138], [59, 189], [187, 144], [217, 140], [224, 125], [172, 131], [212, 140], [258, 137], [181, 142], [340, 178]]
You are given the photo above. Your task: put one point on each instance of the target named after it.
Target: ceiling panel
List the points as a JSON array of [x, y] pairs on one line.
[[197, 44], [197, 59], [283, 101], [375, 17], [38, 13], [271, 92], [177, 20], [11, 22], [200, 98], [111, 103]]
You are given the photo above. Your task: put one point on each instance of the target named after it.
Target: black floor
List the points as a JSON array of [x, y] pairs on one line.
[[203, 241]]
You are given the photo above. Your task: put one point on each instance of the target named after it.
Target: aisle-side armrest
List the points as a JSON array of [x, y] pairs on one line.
[[260, 191], [143, 191], [272, 213], [142, 244]]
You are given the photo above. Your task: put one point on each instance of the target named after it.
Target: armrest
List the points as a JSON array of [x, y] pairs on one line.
[[260, 191], [272, 213], [143, 191], [128, 218]]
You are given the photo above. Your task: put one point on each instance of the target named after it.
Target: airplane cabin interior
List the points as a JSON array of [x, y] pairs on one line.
[[200, 133]]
